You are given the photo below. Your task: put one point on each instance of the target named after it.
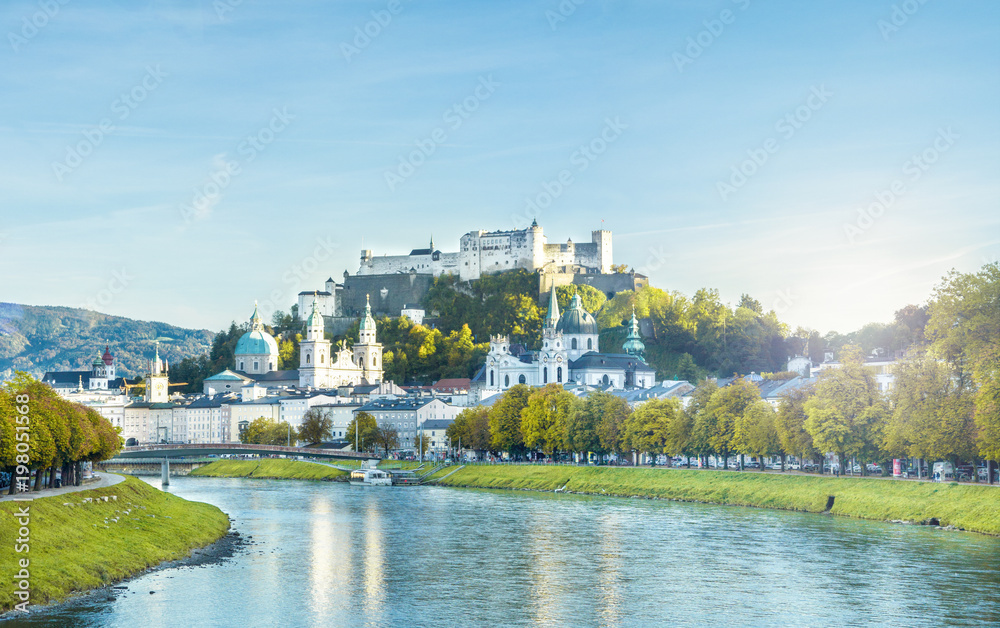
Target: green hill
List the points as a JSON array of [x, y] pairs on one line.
[[36, 339]]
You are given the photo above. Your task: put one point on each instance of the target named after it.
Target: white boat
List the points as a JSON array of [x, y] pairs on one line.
[[368, 475]]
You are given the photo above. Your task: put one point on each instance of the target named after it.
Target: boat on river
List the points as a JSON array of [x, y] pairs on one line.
[[370, 475]]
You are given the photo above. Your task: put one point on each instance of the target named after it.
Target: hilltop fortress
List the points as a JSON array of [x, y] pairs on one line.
[[395, 285], [483, 252]]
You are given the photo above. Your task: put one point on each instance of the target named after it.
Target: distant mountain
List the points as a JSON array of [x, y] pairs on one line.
[[43, 338]]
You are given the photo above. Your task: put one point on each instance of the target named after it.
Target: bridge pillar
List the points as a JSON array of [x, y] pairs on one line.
[[165, 472]]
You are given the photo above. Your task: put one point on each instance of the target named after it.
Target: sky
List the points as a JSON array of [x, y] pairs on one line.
[[176, 161]]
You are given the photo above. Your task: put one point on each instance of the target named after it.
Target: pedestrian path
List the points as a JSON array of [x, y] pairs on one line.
[[103, 480]]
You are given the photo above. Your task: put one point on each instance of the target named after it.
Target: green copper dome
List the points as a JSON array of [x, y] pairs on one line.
[[315, 318], [633, 343], [368, 322], [577, 320], [256, 341]]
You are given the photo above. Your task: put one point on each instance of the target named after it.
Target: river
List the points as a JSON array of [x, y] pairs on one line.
[[330, 554]]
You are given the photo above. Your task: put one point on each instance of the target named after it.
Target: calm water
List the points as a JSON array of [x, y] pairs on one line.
[[336, 555]]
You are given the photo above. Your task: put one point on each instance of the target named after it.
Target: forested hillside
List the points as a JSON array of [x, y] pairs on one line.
[[36, 339]]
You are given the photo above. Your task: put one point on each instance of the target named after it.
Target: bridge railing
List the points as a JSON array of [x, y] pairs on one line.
[[246, 448]]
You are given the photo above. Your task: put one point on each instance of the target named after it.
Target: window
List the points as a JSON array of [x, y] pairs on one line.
[[573, 346], [491, 378], [241, 368], [590, 343], [256, 365], [559, 374], [308, 358], [520, 379], [506, 381], [605, 379], [545, 375]]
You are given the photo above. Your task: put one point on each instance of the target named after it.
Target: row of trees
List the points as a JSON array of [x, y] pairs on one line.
[[60, 434], [945, 403]]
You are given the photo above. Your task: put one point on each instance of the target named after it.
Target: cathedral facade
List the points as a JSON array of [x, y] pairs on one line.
[[570, 354], [322, 366]]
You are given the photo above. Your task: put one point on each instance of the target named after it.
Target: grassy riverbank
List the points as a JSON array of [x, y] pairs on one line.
[[90, 544], [270, 468], [974, 508]]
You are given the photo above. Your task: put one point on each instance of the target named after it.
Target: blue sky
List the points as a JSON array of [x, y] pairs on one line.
[[832, 159]]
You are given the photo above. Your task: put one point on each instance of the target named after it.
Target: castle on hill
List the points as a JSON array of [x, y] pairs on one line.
[[483, 252]]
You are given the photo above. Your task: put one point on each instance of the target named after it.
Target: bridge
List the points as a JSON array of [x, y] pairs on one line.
[[164, 453]]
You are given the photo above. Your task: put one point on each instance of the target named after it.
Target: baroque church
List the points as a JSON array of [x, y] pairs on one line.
[[320, 364], [570, 354]]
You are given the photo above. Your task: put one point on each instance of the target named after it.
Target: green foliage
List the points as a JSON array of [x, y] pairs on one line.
[[36, 339], [472, 428], [591, 298], [652, 427], [969, 507], [790, 424], [78, 548], [724, 408], [266, 431], [362, 430], [317, 426], [755, 432], [60, 432], [845, 414], [270, 468], [545, 420], [387, 439], [505, 420]]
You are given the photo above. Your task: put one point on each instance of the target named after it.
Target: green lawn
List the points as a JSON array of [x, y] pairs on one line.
[[274, 468], [969, 507], [80, 546]]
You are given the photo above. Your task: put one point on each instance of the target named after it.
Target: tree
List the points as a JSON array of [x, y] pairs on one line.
[[545, 420], [702, 423], [505, 420], [612, 412], [845, 415], [790, 423], [471, 429], [724, 408], [590, 297], [755, 432], [361, 432], [387, 438], [317, 426], [421, 443], [267, 431], [648, 429]]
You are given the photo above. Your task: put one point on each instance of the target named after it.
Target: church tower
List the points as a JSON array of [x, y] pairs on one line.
[[314, 352], [553, 365], [367, 351], [633, 343], [156, 380]]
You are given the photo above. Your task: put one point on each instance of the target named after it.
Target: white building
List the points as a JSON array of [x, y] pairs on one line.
[[322, 367], [570, 354], [483, 252]]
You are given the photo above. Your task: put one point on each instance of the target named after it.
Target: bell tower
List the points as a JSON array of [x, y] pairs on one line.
[[368, 351], [157, 380]]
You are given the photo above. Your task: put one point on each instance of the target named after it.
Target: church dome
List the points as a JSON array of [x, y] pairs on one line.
[[107, 358], [256, 341], [577, 320]]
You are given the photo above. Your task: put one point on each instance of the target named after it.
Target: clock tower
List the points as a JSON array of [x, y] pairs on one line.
[[156, 380]]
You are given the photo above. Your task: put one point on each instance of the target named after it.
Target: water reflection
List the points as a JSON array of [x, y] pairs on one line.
[[610, 569], [374, 560]]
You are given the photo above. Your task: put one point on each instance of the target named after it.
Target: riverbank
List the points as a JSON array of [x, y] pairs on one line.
[[270, 468], [79, 541], [974, 508]]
